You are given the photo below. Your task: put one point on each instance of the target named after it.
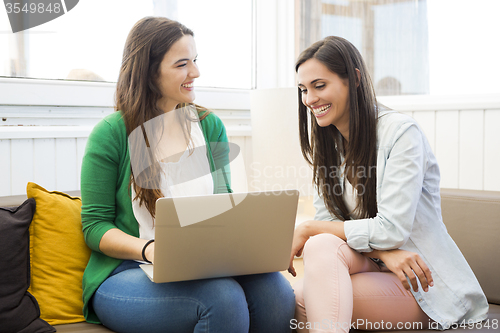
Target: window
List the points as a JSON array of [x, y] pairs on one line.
[[87, 42], [414, 47], [223, 34]]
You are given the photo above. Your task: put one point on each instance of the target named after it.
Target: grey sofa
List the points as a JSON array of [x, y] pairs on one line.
[[472, 219]]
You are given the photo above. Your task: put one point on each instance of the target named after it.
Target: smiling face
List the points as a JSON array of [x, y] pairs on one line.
[[177, 72], [325, 94]]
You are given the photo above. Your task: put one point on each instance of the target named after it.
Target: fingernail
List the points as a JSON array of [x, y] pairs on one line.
[[431, 284], [426, 289]]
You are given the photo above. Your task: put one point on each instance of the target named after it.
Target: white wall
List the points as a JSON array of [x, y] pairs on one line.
[[463, 133]]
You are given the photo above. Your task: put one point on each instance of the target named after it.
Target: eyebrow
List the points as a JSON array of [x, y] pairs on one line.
[[312, 82], [181, 60]]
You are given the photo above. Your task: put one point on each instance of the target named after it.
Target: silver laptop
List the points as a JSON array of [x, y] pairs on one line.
[[222, 235]]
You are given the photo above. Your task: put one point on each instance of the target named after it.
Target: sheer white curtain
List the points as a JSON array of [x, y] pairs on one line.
[[392, 36], [413, 47]]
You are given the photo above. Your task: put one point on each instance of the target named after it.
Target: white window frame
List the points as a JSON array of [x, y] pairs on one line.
[[47, 103], [20, 91]]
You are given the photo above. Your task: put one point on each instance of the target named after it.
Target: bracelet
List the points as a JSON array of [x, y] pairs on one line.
[[144, 250]]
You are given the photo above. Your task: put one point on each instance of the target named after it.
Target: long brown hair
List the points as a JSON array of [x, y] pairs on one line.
[[322, 147], [137, 95]]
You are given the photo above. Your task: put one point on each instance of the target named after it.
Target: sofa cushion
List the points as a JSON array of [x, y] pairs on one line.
[[59, 255], [473, 221], [82, 328], [19, 311], [489, 325]]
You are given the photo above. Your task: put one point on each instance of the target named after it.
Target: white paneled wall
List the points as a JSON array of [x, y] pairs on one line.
[[53, 163], [464, 135], [48, 149], [492, 150], [51, 156], [466, 144], [56, 163], [5, 172], [241, 166], [446, 147]]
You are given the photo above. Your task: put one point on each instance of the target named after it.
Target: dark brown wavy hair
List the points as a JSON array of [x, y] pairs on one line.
[[137, 95], [322, 147]]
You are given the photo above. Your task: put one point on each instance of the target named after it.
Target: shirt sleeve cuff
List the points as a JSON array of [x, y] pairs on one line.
[[93, 238], [357, 232]]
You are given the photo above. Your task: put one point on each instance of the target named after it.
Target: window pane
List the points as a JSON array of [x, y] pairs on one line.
[[392, 37], [87, 42], [464, 51], [223, 34], [414, 46]]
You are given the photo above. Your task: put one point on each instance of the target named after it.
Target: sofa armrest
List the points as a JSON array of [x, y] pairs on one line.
[[16, 200]]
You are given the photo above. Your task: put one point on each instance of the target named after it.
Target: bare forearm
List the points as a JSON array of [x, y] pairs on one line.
[[336, 228], [311, 228], [117, 244], [320, 227], [376, 254]]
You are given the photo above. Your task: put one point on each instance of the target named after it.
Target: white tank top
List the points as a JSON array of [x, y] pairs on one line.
[[350, 195]]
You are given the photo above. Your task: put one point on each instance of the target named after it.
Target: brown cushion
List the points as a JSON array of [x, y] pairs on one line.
[[19, 310]]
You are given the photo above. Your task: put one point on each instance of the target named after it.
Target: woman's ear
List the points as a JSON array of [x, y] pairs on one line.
[[358, 76]]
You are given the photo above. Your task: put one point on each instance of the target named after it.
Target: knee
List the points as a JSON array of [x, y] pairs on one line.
[[227, 304], [278, 291], [272, 302], [222, 305], [286, 291], [283, 288], [320, 243], [227, 294]]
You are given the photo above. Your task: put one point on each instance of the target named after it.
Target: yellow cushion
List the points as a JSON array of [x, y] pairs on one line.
[[59, 255]]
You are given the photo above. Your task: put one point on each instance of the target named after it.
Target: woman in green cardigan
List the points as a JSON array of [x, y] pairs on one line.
[[154, 97]]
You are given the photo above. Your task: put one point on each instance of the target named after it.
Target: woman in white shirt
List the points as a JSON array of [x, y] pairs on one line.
[[377, 255]]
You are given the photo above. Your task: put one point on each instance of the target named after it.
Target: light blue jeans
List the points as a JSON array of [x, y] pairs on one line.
[[129, 302]]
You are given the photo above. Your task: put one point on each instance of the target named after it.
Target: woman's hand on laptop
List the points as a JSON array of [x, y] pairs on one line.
[[309, 229], [300, 237]]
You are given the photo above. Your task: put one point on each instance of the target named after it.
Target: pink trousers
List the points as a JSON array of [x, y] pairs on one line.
[[342, 289]]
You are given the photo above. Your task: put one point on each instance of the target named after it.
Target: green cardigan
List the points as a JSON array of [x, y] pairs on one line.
[[106, 195]]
